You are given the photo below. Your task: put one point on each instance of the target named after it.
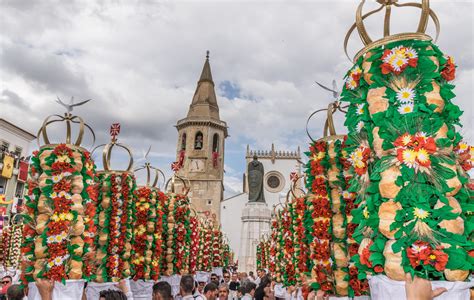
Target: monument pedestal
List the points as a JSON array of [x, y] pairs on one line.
[[256, 217]]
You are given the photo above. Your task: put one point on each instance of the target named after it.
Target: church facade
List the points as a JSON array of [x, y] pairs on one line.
[[200, 148], [277, 165]]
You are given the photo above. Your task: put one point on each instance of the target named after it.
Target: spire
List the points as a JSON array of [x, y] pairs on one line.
[[204, 104], [206, 74]]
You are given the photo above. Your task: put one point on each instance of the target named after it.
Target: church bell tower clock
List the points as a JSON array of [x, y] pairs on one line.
[[200, 148]]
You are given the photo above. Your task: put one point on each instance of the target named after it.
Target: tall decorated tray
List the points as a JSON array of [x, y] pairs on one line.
[[329, 221], [60, 222], [409, 160], [115, 214]]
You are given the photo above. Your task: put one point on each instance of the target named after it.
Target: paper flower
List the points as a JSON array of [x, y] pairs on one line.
[[406, 95], [406, 108], [359, 159], [398, 59], [360, 109], [421, 253], [353, 79], [415, 151], [420, 213], [449, 70]]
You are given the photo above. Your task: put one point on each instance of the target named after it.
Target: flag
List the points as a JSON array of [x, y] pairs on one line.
[[23, 173], [294, 177], [115, 129], [175, 166], [7, 170]]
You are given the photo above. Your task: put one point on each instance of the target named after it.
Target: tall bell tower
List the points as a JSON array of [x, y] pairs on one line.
[[200, 148]]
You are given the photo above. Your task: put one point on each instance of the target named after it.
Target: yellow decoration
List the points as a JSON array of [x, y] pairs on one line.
[[420, 213], [365, 212], [7, 170]]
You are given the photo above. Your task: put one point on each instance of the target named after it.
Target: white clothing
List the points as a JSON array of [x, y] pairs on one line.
[[382, 287], [246, 297], [257, 281]]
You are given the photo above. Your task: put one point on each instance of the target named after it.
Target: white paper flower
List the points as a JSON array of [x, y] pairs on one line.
[[405, 108], [360, 109], [462, 147], [351, 83], [406, 95], [396, 59], [411, 53], [56, 178], [359, 126], [58, 261]]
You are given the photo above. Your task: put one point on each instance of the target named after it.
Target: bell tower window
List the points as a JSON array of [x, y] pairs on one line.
[[183, 141], [198, 141], [215, 143]]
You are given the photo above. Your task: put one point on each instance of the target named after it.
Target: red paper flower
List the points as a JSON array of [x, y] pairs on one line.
[[396, 60], [449, 70], [365, 256], [378, 269], [438, 259]]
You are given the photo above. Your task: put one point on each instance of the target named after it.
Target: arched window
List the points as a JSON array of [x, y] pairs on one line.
[[183, 141], [215, 143], [198, 141]]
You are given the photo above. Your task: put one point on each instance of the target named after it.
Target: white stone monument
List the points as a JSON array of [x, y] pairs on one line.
[[255, 222], [255, 218]]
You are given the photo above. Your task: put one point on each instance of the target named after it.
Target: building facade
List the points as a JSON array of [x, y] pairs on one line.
[[278, 165], [14, 149], [200, 148]]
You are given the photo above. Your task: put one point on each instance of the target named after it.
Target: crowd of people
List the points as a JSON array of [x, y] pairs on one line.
[[229, 286]]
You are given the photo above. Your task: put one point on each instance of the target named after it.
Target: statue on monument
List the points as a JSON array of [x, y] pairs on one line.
[[255, 180]]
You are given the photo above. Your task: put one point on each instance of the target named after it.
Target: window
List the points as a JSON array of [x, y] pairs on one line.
[[20, 187], [273, 181], [4, 145], [215, 143], [198, 140], [209, 202], [3, 185], [183, 141]]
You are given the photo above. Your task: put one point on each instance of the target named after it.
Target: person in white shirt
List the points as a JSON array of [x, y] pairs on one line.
[[260, 274]]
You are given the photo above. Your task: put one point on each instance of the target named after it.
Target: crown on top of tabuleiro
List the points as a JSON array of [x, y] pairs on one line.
[[388, 37], [113, 144], [70, 120]]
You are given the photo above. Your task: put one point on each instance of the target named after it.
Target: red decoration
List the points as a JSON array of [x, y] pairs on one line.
[[215, 159], [421, 253], [114, 130], [23, 171], [175, 166], [449, 71], [294, 177], [396, 60]]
